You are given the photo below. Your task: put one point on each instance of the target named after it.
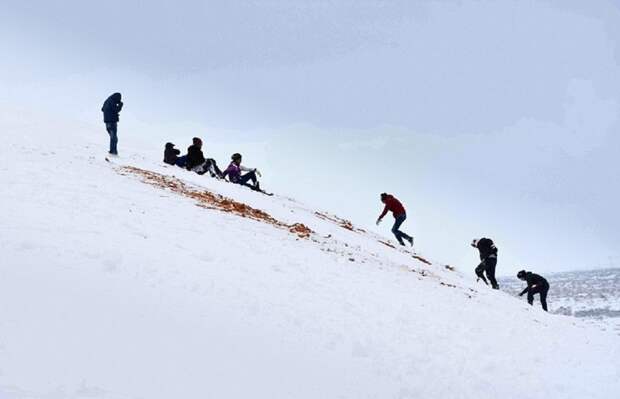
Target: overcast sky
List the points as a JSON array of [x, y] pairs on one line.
[[496, 119]]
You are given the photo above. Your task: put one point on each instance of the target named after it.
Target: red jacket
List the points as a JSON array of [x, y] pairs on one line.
[[394, 205]]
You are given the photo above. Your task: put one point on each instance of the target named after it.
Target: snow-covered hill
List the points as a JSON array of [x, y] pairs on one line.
[[138, 280]]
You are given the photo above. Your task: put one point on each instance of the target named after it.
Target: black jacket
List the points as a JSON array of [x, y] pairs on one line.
[[194, 157], [534, 279], [171, 154], [486, 248], [111, 107]]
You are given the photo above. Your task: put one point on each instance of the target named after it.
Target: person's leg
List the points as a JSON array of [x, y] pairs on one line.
[[181, 161], [543, 297], [217, 170], [112, 131], [398, 220], [530, 296], [200, 169], [490, 264], [208, 167], [247, 177], [402, 233], [480, 272]]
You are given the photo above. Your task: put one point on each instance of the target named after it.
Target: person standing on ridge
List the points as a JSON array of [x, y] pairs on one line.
[[536, 284], [398, 211], [488, 257], [111, 107]]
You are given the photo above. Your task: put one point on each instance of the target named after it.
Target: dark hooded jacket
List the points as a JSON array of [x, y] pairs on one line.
[[534, 280], [111, 107], [171, 154], [195, 157], [486, 248]]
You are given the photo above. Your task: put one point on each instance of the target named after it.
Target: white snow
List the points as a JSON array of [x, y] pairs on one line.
[[112, 288]]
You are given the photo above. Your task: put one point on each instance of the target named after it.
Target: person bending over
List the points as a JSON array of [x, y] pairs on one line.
[[536, 284], [398, 211]]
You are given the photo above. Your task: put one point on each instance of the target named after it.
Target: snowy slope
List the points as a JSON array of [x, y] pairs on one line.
[[111, 287]]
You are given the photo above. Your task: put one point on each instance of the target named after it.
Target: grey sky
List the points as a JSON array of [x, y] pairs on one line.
[[486, 118]]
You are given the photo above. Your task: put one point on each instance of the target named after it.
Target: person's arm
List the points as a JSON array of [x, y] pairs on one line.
[[385, 211], [529, 285], [177, 151], [246, 169]]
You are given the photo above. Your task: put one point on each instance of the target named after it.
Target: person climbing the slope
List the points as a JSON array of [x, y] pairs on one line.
[[488, 257], [111, 108], [196, 162], [536, 284], [234, 173], [398, 211], [171, 156]]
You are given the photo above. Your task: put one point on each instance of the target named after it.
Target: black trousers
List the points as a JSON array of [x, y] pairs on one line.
[[539, 289], [112, 127], [488, 265], [398, 220], [250, 176]]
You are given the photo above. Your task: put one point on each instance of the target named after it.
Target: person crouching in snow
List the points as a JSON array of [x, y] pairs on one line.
[[398, 211], [196, 162], [234, 173], [171, 156], [535, 285], [488, 257]]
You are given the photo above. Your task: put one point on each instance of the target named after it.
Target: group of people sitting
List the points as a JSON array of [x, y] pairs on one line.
[[195, 161]]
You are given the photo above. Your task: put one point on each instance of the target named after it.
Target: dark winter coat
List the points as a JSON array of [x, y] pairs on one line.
[[393, 205], [535, 280], [111, 107], [194, 157], [486, 247], [171, 154]]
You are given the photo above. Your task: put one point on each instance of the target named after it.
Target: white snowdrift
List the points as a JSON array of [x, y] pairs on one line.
[[112, 288]]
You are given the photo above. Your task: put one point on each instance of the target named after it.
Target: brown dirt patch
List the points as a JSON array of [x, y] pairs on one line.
[[421, 259], [209, 200], [344, 223]]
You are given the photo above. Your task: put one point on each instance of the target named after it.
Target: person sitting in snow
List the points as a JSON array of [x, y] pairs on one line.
[[171, 156], [398, 211], [196, 162], [488, 257], [234, 173], [535, 285]]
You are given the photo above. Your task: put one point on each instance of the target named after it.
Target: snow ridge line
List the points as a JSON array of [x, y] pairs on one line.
[[210, 200]]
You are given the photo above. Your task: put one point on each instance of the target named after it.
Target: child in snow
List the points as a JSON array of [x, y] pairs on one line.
[[196, 162], [488, 257], [171, 156], [234, 173], [535, 285], [111, 107], [398, 211]]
